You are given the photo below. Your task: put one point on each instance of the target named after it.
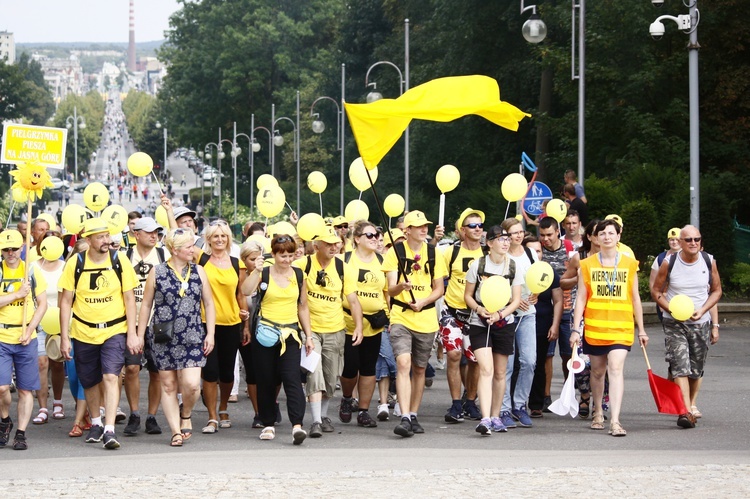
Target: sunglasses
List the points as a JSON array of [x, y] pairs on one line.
[[9, 250], [476, 225], [52, 233], [284, 239], [179, 232], [370, 235], [342, 226], [692, 239], [217, 222], [320, 278]]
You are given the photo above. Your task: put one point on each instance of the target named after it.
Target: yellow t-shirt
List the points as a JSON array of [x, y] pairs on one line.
[[424, 321], [279, 304], [371, 287], [454, 293], [12, 313], [99, 297], [223, 284], [326, 302]]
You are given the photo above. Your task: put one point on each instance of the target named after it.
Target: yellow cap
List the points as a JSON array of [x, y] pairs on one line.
[[415, 219], [10, 239], [674, 233], [329, 236], [616, 218], [396, 233], [465, 214], [94, 226]]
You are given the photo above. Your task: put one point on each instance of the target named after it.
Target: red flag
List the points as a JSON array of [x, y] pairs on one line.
[[667, 395]]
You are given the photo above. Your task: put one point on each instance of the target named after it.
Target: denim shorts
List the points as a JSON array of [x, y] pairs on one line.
[[24, 359], [93, 361], [386, 365]]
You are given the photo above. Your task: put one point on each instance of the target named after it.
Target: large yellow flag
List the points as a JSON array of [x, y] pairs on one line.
[[377, 126]]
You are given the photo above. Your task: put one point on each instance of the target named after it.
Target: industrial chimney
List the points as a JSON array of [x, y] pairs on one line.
[[131, 39]]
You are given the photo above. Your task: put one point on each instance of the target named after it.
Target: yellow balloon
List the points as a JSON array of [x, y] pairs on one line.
[[49, 219], [264, 242], [270, 200], [317, 182], [51, 320], [52, 248], [356, 210], [514, 187], [140, 164], [265, 180], [519, 217], [539, 277], [681, 307], [282, 228], [310, 225], [95, 196], [20, 195], [161, 217], [73, 217], [557, 209], [447, 178], [495, 293], [358, 175], [116, 217], [394, 205]]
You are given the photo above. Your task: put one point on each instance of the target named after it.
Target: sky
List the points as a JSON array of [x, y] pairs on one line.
[[84, 20]]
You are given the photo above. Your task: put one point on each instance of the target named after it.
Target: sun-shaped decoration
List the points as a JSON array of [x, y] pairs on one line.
[[33, 178]]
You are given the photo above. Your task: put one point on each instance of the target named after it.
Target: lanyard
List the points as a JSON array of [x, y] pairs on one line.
[[610, 285], [184, 285]]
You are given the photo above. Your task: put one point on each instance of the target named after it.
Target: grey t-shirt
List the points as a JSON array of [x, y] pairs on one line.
[[502, 269]]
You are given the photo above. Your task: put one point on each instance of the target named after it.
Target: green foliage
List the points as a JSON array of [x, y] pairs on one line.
[[24, 93], [740, 278], [641, 228], [91, 108], [605, 196]]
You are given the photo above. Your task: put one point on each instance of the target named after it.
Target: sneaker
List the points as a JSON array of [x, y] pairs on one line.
[[507, 419], [299, 435], [520, 415], [327, 425], [415, 426], [404, 428], [5, 432], [440, 365], [536, 413], [345, 410], [546, 404], [152, 427], [19, 443], [134, 423], [383, 412], [316, 431], [120, 417], [391, 400], [483, 428], [397, 410], [471, 410], [497, 425], [257, 423], [95, 434], [455, 414], [364, 419], [686, 421], [110, 441], [428, 382]]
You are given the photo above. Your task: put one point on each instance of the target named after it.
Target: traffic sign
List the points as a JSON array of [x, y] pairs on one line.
[[41, 144], [538, 194]]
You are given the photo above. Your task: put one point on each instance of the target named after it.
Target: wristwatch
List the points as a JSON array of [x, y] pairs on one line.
[[716, 326]]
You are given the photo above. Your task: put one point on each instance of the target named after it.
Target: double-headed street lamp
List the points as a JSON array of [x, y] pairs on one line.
[[689, 25], [318, 127], [253, 147], [158, 125], [207, 155], [278, 141], [403, 86], [75, 121]]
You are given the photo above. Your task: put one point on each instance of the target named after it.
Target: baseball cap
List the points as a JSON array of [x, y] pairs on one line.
[[674, 233], [11, 238], [94, 226], [182, 211], [396, 233], [496, 231], [465, 214], [146, 223], [616, 218], [415, 219], [339, 220], [329, 236]]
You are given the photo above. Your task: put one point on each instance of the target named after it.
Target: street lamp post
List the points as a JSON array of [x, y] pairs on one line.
[[207, 155], [403, 86], [318, 127], [256, 148], [159, 125], [278, 141], [73, 121], [688, 23], [252, 148]]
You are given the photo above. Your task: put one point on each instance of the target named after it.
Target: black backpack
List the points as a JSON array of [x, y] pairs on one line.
[[400, 250], [481, 274]]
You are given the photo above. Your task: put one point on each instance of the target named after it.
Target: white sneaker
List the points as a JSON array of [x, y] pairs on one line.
[[397, 410], [121, 416], [383, 412], [440, 365]]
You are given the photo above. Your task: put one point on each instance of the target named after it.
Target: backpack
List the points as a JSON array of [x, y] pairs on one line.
[[159, 252], [80, 261], [205, 257], [400, 250], [348, 256], [265, 277], [336, 261], [481, 274], [456, 249], [706, 258]]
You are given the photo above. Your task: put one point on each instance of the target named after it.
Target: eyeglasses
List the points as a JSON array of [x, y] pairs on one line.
[[342, 226], [217, 222], [370, 235], [11, 250], [320, 278], [511, 234], [502, 239], [691, 239], [283, 239], [52, 233], [475, 225]]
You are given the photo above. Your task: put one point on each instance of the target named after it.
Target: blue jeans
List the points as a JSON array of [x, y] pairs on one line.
[[526, 351], [563, 337]]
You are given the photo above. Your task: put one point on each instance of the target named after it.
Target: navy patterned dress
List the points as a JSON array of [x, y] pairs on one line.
[[186, 347]]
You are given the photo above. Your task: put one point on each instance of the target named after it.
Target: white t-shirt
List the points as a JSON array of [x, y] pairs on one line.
[[522, 266], [490, 267]]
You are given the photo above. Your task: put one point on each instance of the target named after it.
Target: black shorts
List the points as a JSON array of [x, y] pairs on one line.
[[500, 339]]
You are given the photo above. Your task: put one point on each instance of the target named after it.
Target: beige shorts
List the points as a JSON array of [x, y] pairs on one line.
[[330, 346], [418, 345]]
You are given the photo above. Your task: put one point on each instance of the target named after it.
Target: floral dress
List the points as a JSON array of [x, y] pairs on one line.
[[186, 347]]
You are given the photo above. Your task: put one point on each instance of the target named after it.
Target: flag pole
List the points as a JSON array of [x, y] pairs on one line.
[[26, 258]]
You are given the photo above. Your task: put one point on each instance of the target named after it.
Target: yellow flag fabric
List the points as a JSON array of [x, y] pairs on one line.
[[377, 126]]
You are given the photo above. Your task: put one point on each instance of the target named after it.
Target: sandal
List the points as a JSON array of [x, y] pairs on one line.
[[583, 407], [598, 422], [187, 432], [616, 429], [268, 433], [211, 427], [58, 411], [695, 412], [42, 417], [224, 422], [176, 440], [77, 431]]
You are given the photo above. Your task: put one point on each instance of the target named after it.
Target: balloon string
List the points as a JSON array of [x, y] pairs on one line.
[[290, 208], [10, 213], [320, 198], [506, 210], [157, 182], [360, 192], [389, 221]]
